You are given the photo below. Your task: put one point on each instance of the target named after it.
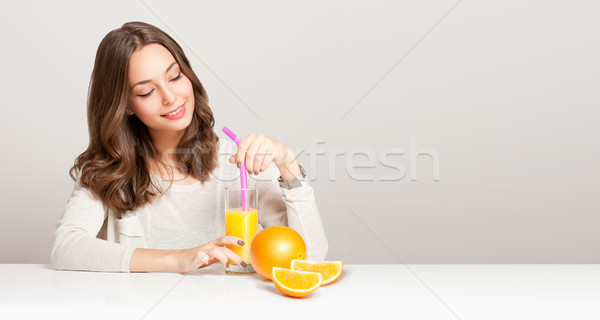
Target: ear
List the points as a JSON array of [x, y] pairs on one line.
[[129, 111]]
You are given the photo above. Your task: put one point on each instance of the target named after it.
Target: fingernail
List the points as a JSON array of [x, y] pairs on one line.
[[239, 164], [255, 173], [227, 265], [243, 264], [240, 242]]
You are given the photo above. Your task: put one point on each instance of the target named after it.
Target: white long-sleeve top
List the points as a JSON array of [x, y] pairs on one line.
[[91, 237]]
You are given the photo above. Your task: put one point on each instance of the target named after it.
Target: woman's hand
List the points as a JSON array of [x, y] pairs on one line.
[[259, 151], [186, 260]]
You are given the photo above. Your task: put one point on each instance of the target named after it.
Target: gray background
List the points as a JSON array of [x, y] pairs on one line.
[[503, 93]]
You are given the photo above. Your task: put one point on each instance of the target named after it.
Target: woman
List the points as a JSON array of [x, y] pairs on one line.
[[148, 189]]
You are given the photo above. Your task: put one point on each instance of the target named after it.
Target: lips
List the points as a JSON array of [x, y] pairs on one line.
[[173, 112]]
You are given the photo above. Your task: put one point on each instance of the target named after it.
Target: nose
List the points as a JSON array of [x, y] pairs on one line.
[[168, 97]]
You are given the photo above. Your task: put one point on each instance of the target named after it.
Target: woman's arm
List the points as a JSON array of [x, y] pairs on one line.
[[150, 260], [77, 248], [186, 260], [75, 244], [296, 208]]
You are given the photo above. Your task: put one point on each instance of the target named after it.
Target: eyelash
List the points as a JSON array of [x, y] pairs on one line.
[[147, 94]]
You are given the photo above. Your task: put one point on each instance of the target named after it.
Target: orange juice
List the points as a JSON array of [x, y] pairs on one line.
[[241, 224]]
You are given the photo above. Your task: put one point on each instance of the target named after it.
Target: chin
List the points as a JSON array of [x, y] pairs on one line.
[[186, 123]]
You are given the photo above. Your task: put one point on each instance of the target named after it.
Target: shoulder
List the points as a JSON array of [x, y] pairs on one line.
[[82, 203], [82, 193]]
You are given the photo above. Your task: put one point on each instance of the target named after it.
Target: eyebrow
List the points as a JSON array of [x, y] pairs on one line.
[[146, 81]]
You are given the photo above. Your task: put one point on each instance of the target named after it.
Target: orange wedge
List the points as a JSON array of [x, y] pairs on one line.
[[330, 270], [296, 283]]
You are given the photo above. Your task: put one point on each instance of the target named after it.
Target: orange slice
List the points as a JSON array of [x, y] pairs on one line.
[[296, 283], [330, 270]]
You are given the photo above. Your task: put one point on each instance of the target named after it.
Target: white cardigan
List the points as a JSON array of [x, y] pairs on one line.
[[91, 237]]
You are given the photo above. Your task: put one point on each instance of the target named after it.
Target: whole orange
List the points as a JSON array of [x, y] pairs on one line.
[[276, 246]]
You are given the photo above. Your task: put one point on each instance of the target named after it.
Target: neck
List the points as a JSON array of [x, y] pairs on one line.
[[165, 143]]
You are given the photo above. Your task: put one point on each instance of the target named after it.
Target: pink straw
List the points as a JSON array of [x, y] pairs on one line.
[[243, 173]]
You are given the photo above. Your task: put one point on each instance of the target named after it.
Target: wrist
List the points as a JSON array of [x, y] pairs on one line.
[[169, 260], [289, 167], [151, 260], [289, 170]]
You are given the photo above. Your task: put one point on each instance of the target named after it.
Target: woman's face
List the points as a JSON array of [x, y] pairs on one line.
[[160, 95]]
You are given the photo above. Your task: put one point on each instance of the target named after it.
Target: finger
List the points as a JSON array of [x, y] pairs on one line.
[[267, 160], [232, 159], [242, 148], [218, 253], [213, 260], [251, 155], [235, 258], [202, 259], [259, 158], [228, 240]]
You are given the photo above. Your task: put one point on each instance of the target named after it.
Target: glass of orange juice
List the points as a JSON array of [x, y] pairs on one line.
[[242, 224]]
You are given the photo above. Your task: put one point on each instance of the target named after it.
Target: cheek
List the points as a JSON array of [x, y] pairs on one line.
[[186, 88], [142, 109]]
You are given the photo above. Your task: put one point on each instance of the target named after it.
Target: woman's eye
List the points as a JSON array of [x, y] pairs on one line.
[[178, 77], [145, 95]]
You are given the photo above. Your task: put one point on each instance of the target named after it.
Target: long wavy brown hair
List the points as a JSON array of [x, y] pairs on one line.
[[116, 166]]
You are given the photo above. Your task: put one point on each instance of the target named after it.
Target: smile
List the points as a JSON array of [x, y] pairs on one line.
[[175, 114]]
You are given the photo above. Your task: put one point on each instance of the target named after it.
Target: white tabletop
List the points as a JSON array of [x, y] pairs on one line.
[[395, 291]]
